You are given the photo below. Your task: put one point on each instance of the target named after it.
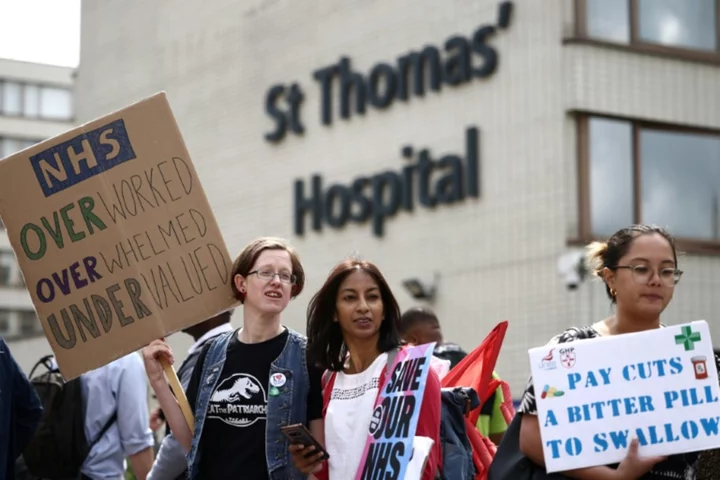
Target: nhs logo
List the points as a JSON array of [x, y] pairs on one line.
[[82, 157]]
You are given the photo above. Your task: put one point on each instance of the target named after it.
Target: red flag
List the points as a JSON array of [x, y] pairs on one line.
[[475, 370]]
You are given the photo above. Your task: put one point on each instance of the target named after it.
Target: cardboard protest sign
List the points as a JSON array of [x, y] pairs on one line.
[[595, 396], [389, 447], [114, 235]]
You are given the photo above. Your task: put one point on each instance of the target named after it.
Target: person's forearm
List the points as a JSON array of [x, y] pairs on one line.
[[141, 463], [591, 473], [173, 414], [170, 460]]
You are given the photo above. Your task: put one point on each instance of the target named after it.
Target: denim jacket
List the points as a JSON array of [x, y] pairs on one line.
[[287, 408]]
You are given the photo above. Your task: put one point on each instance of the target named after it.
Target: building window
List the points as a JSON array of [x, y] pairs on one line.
[[4, 322], [55, 103], [7, 260], [8, 146], [32, 100], [35, 101], [677, 24], [28, 322], [636, 172], [12, 98]]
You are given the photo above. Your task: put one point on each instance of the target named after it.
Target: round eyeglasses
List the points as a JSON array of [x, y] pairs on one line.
[[642, 274], [284, 277]]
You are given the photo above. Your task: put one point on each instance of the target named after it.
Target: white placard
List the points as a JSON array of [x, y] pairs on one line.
[[594, 396], [421, 451]]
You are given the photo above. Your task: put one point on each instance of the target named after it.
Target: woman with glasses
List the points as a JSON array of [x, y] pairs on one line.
[[249, 382], [639, 267]]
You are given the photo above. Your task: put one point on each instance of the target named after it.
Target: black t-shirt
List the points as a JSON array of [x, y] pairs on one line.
[[233, 438]]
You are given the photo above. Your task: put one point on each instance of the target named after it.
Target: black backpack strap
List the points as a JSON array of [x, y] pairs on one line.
[[390, 360], [44, 361], [391, 356], [487, 407], [104, 430]]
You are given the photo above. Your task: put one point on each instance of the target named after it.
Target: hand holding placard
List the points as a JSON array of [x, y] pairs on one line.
[[595, 396], [634, 465]]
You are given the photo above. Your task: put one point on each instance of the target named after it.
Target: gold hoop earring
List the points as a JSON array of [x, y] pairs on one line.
[[613, 292]]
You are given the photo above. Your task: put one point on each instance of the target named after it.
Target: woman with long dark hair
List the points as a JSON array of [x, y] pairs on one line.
[[353, 324]]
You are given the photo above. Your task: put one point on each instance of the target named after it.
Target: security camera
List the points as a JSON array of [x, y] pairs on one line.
[[571, 267]]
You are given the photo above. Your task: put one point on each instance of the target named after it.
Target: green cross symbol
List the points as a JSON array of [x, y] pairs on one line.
[[687, 338]]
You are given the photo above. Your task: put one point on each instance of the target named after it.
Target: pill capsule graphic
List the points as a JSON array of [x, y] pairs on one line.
[[545, 391]]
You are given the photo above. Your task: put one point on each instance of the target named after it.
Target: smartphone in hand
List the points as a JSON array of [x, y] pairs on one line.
[[298, 434]]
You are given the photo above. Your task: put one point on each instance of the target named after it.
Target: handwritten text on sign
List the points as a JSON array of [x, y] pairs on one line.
[[595, 396], [392, 429], [114, 235]]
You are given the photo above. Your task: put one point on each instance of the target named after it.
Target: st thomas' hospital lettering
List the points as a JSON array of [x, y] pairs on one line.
[[147, 191], [668, 402], [382, 195]]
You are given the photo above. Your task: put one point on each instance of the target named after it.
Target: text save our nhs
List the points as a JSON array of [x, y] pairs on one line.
[[69, 163]]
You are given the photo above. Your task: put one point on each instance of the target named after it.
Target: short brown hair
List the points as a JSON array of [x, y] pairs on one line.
[[249, 255]]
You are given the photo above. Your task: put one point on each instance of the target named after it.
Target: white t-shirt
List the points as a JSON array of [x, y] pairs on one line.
[[348, 415]]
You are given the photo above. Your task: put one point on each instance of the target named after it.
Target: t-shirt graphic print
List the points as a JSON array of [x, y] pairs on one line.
[[239, 400]]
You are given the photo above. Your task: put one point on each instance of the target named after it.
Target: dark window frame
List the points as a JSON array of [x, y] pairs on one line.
[[39, 116], [27, 329], [636, 44], [585, 231], [5, 331]]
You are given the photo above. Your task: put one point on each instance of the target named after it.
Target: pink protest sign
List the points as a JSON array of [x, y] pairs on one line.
[[389, 447]]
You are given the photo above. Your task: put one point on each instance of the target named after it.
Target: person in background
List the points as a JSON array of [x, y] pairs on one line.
[[117, 388], [170, 463], [639, 267], [491, 422], [420, 325], [20, 411], [249, 382], [452, 352], [353, 324]]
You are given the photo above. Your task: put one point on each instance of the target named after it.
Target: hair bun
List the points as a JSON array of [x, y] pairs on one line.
[[596, 257]]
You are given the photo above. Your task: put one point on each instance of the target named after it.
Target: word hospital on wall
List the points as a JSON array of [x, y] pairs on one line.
[[427, 179]]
